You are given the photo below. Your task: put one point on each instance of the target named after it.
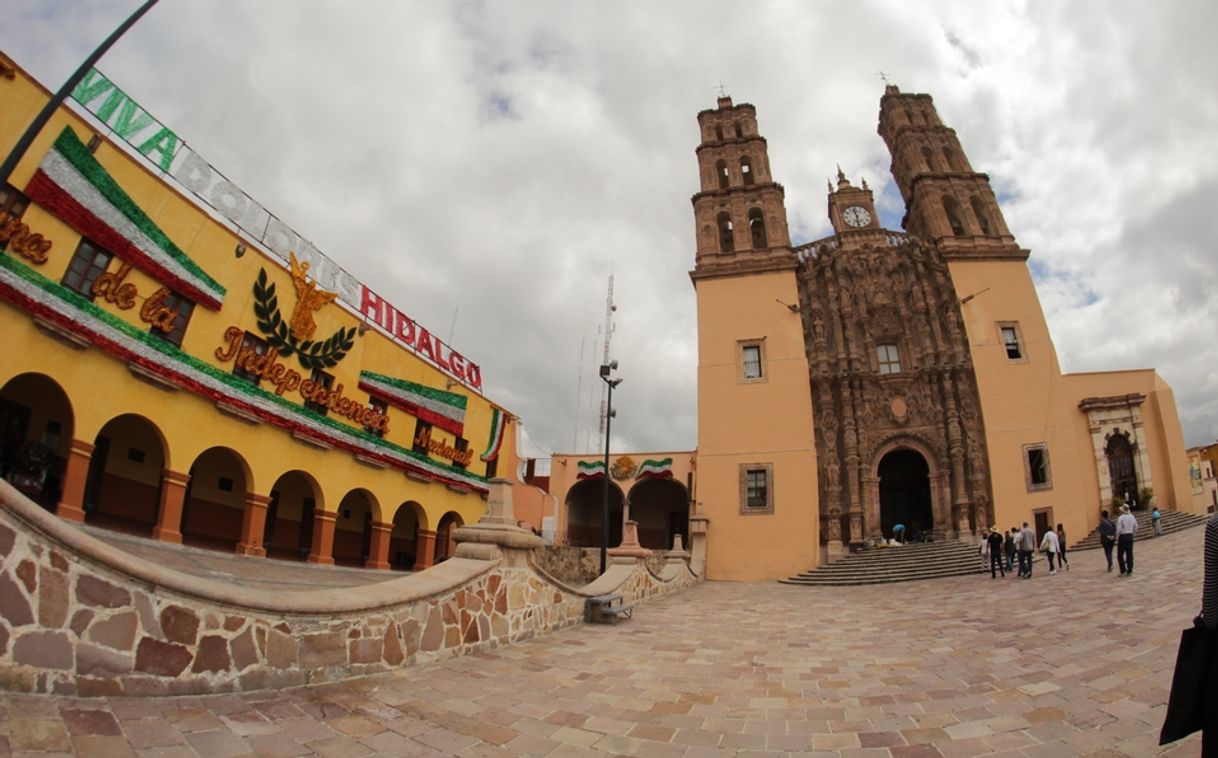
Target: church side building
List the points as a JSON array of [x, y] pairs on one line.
[[878, 377]]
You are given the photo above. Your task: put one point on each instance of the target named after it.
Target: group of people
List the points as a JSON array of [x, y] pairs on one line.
[[999, 550], [1121, 535]]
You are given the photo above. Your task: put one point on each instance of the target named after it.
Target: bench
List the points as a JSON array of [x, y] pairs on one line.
[[607, 609]]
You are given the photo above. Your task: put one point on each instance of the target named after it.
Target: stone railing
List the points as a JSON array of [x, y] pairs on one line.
[[80, 617]]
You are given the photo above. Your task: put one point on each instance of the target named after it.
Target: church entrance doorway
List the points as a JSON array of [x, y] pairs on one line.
[[905, 494]]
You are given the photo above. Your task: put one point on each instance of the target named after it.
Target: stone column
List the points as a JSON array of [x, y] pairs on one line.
[[169, 516], [323, 538], [871, 502], [253, 525], [378, 552], [71, 506], [496, 537], [425, 550]]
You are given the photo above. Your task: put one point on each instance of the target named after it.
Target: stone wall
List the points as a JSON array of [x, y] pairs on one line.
[[574, 566], [79, 617]]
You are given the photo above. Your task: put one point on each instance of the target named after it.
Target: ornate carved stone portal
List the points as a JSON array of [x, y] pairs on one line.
[[900, 436]]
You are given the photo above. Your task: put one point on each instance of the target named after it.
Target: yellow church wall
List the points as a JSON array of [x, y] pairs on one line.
[[1161, 427], [755, 422], [100, 387], [1024, 401]]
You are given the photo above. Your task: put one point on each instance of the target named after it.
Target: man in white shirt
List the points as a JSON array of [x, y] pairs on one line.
[[1126, 527]]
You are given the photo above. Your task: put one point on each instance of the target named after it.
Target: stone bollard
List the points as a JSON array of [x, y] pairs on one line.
[[630, 550]]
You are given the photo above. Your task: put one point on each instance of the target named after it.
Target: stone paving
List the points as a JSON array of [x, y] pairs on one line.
[[1073, 664]]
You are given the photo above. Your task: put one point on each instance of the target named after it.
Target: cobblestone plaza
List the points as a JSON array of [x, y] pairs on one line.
[[1073, 664]]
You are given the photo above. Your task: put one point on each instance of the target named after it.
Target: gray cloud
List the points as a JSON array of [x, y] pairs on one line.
[[500, 160]]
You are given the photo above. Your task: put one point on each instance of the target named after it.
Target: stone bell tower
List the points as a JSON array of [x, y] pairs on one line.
[[947, 202], [740, 210], [756, 453]]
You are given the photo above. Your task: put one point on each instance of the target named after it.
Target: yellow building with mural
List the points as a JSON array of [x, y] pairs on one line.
[[180, 363]]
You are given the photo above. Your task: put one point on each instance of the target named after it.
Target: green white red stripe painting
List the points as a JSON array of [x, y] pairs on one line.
[[445, 410], [590, 469], [72, 184], [498, 424], [655, 469]]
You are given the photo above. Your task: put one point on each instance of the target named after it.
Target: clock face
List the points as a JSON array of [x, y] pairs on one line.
[[856, 216]]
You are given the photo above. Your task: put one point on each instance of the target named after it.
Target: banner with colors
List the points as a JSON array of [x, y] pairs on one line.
[[75, 187], [444, 410]]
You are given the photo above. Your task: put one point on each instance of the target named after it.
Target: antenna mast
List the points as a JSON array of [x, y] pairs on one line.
[[609, 309]]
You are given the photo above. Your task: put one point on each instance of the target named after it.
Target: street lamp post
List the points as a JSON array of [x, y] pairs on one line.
[[606, 368]]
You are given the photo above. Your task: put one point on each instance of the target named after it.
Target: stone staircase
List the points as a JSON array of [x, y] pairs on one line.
[[1172, 521], [907, 563]]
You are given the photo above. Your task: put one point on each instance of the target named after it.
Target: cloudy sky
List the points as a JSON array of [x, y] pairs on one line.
[[487, 166]]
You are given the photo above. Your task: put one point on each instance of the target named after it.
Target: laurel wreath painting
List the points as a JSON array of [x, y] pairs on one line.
[[312, 354]]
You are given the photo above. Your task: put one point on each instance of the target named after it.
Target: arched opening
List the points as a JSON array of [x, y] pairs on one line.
[[719, 132], [721, 172], [757, 229], [353, 528], [123, 486], [1122, 474], [289, 516], [950, 157], [726, 242], [928, 159], [954, 219], [214, 505], [36, 428], [446, 547], [905, 493], [746, 169], [404, 541], [983, 220], [661, 509], [584, 508]]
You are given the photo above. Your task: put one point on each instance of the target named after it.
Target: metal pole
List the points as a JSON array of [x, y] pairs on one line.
[[23, 144], [605, 499]]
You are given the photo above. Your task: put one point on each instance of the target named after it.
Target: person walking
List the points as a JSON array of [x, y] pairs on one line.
[[983, 549], [1008, 547], [1027, 546], [1107, 537], [1156, 520], [1061, 549], [995, 540], [1126, 528], [1049, 546]]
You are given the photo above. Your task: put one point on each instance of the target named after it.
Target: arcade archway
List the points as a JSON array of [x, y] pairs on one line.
[[584, 509], [353, 528], [661, 509], [36, 427], [295, 497], [214, 505], [446, 547], [404, 540], [905, 493], [123, 486]]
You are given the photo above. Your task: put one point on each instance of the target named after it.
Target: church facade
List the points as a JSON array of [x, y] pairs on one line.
[[878, 377]]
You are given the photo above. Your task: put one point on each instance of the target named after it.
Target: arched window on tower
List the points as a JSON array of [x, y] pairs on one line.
[[982, 219], [928, 159], [721, 170], [952, 161], [757, 229], [718, 132], [952, 209], [746, 169], [726, 243], [737, 131]]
